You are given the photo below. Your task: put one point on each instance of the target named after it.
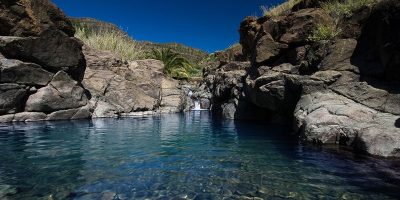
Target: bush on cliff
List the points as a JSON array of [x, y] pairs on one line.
[[175, 65], [324, 32], [344, 8]]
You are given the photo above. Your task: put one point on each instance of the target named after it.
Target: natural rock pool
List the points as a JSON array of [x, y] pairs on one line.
[[180, 156]]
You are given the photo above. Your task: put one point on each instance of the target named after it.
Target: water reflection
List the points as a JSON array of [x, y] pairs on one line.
[[180, 156]]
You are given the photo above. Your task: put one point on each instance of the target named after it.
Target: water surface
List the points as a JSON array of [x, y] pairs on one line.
[[182, 156]]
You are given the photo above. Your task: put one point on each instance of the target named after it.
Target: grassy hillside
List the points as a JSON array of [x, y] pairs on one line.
[[107, 36]]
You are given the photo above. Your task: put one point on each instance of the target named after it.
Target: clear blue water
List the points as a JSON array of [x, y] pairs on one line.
[[182, 156]]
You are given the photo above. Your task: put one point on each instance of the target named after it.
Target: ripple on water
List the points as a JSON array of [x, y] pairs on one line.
[[191, 156]]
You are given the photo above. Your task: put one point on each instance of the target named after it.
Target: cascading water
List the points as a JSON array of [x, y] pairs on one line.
[[197, 105], [196, 101]]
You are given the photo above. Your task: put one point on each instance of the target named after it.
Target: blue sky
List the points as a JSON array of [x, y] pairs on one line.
[[205, 24]]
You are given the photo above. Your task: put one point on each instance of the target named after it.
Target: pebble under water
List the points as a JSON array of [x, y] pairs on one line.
[[180, 156]]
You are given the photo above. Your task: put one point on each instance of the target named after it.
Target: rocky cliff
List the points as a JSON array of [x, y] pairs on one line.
[[47, 74], [42, 64], [342, 91]]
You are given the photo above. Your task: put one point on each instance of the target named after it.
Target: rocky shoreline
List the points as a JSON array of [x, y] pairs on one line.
[[343, 92]]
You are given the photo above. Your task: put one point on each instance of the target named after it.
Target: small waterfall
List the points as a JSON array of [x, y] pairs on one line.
[[197, 105]]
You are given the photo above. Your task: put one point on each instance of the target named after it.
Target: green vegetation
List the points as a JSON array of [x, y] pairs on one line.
[[337, 9], [275, 11], [181, 61], [96, 27], [324, 32], [175, 65], [340, 8]]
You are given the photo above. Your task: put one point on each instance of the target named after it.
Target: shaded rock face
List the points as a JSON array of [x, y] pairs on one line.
[[344, 91], [41, 64], [119, 88], [12, 97], [378, 50]]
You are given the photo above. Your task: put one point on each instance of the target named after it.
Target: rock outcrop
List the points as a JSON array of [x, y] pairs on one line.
[[120, 88], [46, 74], [42, 64], [343, 91]]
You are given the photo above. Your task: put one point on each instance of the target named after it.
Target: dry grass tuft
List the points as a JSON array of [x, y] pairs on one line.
[[278, 10], [113, 41]]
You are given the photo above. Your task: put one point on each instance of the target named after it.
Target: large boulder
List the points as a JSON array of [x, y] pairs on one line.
[[61, 93], [15, 71], [329, 118], [32, 17], [53, 50], [267, 48]]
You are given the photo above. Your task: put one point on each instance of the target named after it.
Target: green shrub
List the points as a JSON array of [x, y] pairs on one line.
[[109, 40], [340, 8], [175, 65], [275, 11], [324, 32]]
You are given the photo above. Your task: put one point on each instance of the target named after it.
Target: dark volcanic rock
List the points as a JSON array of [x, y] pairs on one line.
[[267, 48], [378, 49], [53, 50], [32, 17], [301, 24], [15, 71]]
